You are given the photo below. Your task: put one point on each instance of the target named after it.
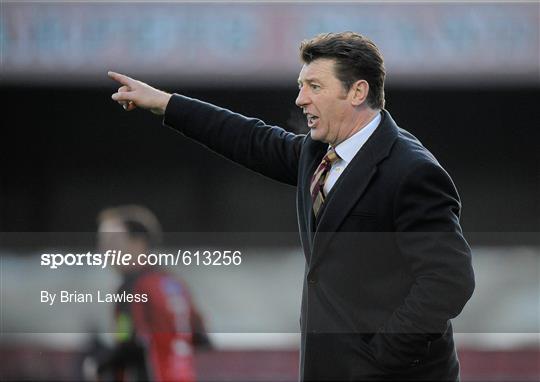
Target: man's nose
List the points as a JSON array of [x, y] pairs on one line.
[[302, 99]]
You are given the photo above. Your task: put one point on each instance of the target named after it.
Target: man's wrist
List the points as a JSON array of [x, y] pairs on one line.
[[162, 104]]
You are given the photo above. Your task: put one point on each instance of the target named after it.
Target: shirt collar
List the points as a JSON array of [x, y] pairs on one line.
[[349, 147]]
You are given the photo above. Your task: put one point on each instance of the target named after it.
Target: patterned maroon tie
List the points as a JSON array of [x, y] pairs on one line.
[[319, 178]]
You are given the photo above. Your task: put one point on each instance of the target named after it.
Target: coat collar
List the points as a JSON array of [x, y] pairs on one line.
[[351, 185]]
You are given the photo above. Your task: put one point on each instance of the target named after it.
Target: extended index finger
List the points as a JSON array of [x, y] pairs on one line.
[[123, 79]]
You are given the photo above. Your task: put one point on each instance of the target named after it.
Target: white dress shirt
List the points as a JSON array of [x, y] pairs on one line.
[[346, 151]]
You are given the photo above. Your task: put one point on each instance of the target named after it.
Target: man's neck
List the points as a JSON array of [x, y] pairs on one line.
[[362, 120]]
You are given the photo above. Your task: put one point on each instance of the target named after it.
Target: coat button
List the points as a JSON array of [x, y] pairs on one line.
[[312, 280]]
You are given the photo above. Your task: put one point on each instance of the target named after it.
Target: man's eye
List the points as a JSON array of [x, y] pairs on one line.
[[315, 87]]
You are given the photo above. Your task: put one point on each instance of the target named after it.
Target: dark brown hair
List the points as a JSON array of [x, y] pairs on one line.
[[356, 58]]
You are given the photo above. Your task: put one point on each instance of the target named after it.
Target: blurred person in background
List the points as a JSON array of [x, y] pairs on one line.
[[155, 339], [387, 265]]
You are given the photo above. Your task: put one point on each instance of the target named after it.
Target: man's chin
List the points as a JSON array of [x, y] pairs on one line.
[[317, 136]]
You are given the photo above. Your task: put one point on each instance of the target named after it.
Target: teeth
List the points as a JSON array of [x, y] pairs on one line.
[[311, 117]]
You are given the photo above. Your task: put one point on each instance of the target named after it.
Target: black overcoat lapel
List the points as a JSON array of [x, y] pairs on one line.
[[313, 152]]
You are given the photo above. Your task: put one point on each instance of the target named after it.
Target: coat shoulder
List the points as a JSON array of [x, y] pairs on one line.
[[409, 153], [410, 150]]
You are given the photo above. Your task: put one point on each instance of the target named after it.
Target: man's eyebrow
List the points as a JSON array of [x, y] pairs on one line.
[[309, 80]]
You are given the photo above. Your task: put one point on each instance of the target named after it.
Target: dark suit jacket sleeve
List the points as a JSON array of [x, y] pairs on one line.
[[429, 237], [268, 150]]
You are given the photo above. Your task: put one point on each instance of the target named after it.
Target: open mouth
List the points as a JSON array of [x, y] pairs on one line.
[[311, 120]]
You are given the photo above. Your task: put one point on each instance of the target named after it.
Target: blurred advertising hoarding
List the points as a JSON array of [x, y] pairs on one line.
[[214, 44]]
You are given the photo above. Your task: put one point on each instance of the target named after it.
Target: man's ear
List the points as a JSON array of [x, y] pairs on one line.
[[360, 91]]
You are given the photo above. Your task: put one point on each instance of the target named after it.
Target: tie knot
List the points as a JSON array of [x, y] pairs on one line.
[[331, 156]]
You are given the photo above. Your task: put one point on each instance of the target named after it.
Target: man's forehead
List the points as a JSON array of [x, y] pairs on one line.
[[317, 70]]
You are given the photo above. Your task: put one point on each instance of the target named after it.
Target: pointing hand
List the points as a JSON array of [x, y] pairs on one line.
[[133, 94]]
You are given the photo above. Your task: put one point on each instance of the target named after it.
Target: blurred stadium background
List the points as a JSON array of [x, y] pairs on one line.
[[463, 77]]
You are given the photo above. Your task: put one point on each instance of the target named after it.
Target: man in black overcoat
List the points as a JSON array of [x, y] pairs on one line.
[[387, 265]]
